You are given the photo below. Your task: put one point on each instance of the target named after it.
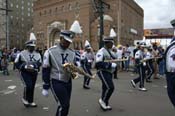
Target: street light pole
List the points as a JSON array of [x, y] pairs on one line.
[[101, 23], [100, 7]]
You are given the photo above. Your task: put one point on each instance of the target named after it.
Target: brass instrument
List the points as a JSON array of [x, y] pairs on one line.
[[154, 58], [30, 68], [145, 60], [74, 70], [116, 60]]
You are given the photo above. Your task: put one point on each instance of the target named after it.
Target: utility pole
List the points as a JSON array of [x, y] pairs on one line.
[[101, 23], [119, 22], [7, 24], [100, 7]]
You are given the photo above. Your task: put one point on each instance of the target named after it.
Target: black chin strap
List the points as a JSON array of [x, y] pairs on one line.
[[110, 54]]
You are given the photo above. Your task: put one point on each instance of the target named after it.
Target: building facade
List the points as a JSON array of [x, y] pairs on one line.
[[159, 33], [50, 17], [20, 21], [2, 24]]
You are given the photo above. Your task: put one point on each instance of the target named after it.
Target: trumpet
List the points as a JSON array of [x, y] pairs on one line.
[[74, 70]]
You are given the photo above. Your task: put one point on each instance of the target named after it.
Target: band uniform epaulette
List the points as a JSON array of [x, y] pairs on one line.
[[52, 47]]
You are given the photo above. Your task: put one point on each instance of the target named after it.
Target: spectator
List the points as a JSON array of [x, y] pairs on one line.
[[4, 64]]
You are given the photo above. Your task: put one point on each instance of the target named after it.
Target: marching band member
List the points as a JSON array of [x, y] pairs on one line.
[[28, 62], [87, 59], [105, 72], [134, 51], [170, 70], [114, 50], [149, 64], [53, 73], [139, 57]]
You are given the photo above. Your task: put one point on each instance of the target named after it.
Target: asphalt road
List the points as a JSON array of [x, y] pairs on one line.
[[125, 101]]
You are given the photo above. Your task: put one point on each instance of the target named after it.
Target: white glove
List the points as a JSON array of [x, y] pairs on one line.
[[25, 66], [45, 92], [78, 64], [114, 65], [90, 61], [31, 66]]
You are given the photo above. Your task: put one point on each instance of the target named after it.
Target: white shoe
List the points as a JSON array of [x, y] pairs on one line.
[[109, 107], [133, 83], [33, 104], [25, 102], [142, 89], [102, 104]]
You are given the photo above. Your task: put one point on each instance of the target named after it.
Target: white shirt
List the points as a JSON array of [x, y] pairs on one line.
[[119, 53]]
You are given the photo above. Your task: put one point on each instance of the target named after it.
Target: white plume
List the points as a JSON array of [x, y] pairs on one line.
[[87, 43], [32, 36], [112, 33], [144, 39], [75, 27]]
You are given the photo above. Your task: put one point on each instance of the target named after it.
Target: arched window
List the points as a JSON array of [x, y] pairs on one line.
[[70, 7]]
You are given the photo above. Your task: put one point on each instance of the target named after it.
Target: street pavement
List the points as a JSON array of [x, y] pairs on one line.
[[125, 101]]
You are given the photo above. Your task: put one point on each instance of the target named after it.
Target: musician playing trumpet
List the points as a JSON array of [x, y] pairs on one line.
[[55, 76]]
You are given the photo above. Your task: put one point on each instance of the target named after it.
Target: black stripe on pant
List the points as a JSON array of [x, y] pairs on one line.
[[87, 69], [107, 85], [150, 69], [141, 71], [29, 81], [170, 77], [62, 94]]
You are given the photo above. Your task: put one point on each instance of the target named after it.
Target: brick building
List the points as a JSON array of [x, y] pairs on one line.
[[2, 24], [51, 16]]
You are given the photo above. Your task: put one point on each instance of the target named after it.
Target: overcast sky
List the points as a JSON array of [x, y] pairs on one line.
[[157, 13]]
